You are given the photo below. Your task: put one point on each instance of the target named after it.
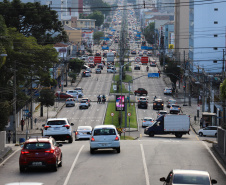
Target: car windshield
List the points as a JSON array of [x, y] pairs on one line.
[[56, 122], [36, 146], [104, 131], [148, 119], [191, 179]]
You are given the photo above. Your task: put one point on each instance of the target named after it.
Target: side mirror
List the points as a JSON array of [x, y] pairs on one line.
[[72, 124], [162, 179]]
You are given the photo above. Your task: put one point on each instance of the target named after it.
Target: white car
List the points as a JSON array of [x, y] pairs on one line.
[[74, 93], [111, 70], [168, 90], [170, 102], [161, 112], [70, 102], [208, 131], [84, 57], [147, 121], [79, 89], [83, 132], [84, 104], [59, 129], [104, 136]]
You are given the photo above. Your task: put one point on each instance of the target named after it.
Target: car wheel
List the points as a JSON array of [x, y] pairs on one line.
[[151, 134], [118, 150], [55, 167], [91, 150], [200, 134], [70, 140], [61, 161], [22, 169]]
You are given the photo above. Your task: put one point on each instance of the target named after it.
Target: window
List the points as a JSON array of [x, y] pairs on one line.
[[215, 61], [215, 48], [215, 22], [215, 9], [215, 35]]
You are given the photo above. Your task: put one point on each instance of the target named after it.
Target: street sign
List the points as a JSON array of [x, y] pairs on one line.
[[115, 87], [90, 59], [153, 75], [144, 60], [129, 114], [198, 107], [112, 114], [137, 59], [124, 130], [131, 104]]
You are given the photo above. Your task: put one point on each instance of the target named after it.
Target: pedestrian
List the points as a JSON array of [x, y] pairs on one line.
[[22, 124], [201, 123], [9, 136]]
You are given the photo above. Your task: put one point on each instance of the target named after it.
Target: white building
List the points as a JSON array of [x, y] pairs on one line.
[[207, 29]]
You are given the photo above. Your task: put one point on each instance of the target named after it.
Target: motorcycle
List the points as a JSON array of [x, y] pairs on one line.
[[103, 100]]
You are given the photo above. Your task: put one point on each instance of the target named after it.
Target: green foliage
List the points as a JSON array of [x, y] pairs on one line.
[[149, 33], [33, 19], [223, 90], [172, 71], [4, 113], [99, 5], [98, 16], [46, 97], [98, 35], [76, 65]]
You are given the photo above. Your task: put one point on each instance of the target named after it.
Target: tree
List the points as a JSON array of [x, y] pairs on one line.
[[47, 99], [33, 19], [173, 72], [149, 33], [99, 5], [223, 96], [76, 65], [98, 16], [97, 36]]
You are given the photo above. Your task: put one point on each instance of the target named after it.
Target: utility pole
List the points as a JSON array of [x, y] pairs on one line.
[[14, 105], [31, 109], [184, 86], [223, 67]]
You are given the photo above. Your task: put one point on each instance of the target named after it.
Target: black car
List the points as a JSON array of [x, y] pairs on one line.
[[143, 103], [136, 67], [158, 104]]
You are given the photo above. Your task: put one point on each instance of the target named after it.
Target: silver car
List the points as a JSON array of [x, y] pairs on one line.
[[70, 102], [181, 177], [104, 136], [83, 132]]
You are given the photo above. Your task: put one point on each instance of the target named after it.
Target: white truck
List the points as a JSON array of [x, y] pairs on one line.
[[110, 57], [170, 124]]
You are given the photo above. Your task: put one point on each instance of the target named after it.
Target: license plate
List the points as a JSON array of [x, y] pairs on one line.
[[104, 144], [37, 164], [57, 128]]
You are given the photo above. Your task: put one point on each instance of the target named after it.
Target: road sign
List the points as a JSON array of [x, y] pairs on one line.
[[129, 114], [112, 114], [97, 59], [137, 59], [153, 75], [131, 104], [124, 130], [90, 59], [198, 107], [144, 60]]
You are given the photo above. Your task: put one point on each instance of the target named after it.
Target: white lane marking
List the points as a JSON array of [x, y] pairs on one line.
[[211, 153], [72, 167], [145, 165], [9, 157]]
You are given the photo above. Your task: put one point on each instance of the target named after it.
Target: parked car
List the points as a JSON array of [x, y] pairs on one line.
[[39, 152], [147, 121], [175, 109], [168, 90], [137, 67], [141, 91], [103, 137], [208, 131], [62, 95], [59, 129], [83, 132], [83, 104], [98, 70], [180, 177], [143, 102], [70, 102], [75, 93]]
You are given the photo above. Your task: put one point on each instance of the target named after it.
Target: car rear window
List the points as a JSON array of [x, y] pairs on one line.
[[37, 146], [147, 119], [56, 122], [175, 106], [191, 179], [104, 131]]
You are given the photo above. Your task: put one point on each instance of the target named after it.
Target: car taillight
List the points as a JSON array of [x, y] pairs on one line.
[[24, 152], [67, 126], [45, 127], [49, 151], [76, 133], [92, 138], [116, 138]]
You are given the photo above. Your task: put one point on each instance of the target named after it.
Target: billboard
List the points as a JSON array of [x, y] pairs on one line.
[[120, 103]]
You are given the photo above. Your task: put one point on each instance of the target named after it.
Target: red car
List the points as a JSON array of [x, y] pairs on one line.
[[63, 95], [40, 152]]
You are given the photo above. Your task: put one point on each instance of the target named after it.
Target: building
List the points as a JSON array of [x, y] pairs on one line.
[[207, 28], [86, 24], [181, 30]]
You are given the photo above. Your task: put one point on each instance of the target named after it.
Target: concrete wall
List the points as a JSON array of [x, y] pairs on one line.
[[2, 139], [221, 140]]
